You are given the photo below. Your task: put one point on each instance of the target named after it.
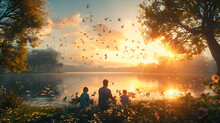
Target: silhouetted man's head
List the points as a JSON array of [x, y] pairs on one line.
[[105, 83]]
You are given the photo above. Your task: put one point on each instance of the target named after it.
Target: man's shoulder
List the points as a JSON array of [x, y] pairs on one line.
[[124, 96], [103, 89]]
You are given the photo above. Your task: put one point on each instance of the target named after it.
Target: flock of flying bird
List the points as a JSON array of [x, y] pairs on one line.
[[134, 52]]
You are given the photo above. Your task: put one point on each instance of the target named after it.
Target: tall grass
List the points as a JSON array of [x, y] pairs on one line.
[[10, 99]]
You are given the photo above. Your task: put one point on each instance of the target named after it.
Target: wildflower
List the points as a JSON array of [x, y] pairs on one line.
[[157, 115], [215, 78], [214, 90], [119, 114]]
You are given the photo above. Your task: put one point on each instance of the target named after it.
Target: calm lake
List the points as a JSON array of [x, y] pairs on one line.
[[50, 88]]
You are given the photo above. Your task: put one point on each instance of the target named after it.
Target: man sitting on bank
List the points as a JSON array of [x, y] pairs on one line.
[[104, 96]]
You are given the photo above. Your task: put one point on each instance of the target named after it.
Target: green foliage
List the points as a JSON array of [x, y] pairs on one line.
[[26, 113], [184, 27], [11, 99], [20, 25]]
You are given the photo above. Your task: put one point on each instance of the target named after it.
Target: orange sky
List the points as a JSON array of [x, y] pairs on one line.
[[108, 35]]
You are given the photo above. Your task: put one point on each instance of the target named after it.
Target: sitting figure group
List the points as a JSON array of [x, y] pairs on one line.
[[105, 97]]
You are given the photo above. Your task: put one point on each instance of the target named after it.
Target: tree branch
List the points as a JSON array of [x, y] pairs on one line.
[[5, 24], [9, 10], [198, 14], [176, 20]]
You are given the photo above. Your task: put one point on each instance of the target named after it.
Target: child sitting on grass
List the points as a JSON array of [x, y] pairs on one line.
[[84, 98], [125, 99]]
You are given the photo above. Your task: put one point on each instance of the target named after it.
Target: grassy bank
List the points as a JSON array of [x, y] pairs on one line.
[[185, 109], [26, 113]]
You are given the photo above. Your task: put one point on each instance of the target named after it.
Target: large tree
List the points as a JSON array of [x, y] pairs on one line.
[[186, 27], [20, 25]]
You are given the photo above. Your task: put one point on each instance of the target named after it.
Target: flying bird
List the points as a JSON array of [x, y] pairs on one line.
[[105, 56], [122, 26], [99, 34], [64, 99], [106, 18], [83, 20], [119, 19]]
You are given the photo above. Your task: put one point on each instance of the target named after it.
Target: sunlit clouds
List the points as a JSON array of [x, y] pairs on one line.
[[74, 32], [67, 21], [108, 38], [85, 39]]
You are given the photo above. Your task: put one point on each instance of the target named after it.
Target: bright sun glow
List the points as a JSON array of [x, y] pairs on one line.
[[132, 89], [170, 54], [172, 93]]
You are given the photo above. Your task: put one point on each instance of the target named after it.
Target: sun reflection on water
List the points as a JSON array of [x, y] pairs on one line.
[[171, 93]]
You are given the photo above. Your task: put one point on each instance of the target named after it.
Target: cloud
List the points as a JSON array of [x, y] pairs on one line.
[[86, 27], [60, 23], [68, 21], [108, 38], [76, 31], [47, 29]]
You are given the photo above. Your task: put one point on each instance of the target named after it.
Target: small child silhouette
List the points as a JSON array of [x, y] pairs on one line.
[[85, 101], [125, 99]]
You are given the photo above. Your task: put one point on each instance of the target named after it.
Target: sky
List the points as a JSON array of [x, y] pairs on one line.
[[99, 32]]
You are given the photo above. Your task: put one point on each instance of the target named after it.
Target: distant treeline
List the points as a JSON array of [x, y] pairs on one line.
[[47, 60], [198, 65], [42, 61]]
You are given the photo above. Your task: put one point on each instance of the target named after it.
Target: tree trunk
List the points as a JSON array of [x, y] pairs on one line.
[[214, 48]]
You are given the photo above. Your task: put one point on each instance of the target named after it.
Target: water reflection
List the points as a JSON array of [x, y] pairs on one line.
[[52, 88]]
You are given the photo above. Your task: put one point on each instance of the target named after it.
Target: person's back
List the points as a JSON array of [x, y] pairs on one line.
[[84, 100], [124, 98], [103, 97]]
